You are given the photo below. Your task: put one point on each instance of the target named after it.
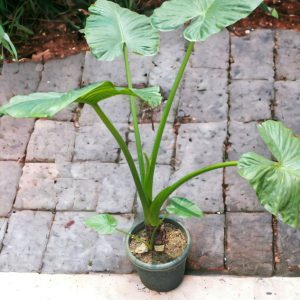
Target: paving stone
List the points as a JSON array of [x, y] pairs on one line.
[[14, 137], [37, 187], [249, 244], [200, 144], [168, 60], [206, 190], [110, 254], [288, 103], [88, 186], [167, 146], [116, 108], [5, 92], [250, 60], [51, 141], [73, 248], [70, 69], [213, 53], [117, 190], [3, 226], [161, 180], [97, 71], [207, 251], [288, 55], [240, 196], [250, 100], [76, 194], [244, 138], [112, 186], [16, 78], [95, 142], [10, 173], [19, 79], [204, 96], [288, 243], [25, 241]]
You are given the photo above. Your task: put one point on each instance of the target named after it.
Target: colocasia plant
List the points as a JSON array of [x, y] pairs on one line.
[[112, 31]]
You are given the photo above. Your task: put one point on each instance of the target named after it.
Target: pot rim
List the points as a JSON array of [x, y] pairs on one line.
[[164, 266]]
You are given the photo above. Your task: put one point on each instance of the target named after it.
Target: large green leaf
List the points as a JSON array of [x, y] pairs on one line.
[[207, 16], [109, 27], [277, 183], [44, 105], [184, 208], [104, 223]]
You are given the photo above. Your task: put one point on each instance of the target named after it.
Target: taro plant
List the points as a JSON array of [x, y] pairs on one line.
[[112, 31]]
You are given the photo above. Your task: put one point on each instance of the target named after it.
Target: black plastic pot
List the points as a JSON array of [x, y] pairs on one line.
[[161, 277]]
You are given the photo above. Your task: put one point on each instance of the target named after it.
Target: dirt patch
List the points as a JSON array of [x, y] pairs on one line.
[[289, 17], [52, 40], [174, 246]]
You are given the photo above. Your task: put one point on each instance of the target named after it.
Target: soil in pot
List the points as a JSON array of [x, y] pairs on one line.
[[175, 243]]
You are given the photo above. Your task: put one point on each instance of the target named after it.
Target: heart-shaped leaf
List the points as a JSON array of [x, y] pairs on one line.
[[44, 105], [104, 223], [109, 27], [183, 208], [277, 183], [208, 16]]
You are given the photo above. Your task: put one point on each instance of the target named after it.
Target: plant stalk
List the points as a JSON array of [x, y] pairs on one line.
[[164, 118], [152, 239], [165, 193], [128, 157], [133, 109]]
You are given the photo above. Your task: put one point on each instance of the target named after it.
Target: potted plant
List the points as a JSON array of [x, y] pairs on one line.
[[112, 31]]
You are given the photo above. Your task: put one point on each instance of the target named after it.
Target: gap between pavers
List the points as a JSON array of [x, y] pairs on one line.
[[118, 287]]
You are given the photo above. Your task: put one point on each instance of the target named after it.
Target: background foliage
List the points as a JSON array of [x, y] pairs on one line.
[[19, 18]]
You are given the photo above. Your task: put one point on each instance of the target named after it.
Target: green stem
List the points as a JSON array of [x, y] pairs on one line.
[[128, 157], [164, 118], [138, 142], [165, 193], [152, 239], [134, 237]]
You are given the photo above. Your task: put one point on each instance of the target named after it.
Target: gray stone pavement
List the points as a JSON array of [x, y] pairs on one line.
[[53, 174]]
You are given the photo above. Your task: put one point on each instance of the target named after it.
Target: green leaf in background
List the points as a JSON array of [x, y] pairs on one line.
[[110, 27], [104, 223], [269, 10], [184, 208], [7, 43], [207, 16], [45, 105], [277, 184]]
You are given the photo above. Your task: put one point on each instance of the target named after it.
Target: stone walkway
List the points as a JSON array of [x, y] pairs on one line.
[[54, 175], [123, 287]]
